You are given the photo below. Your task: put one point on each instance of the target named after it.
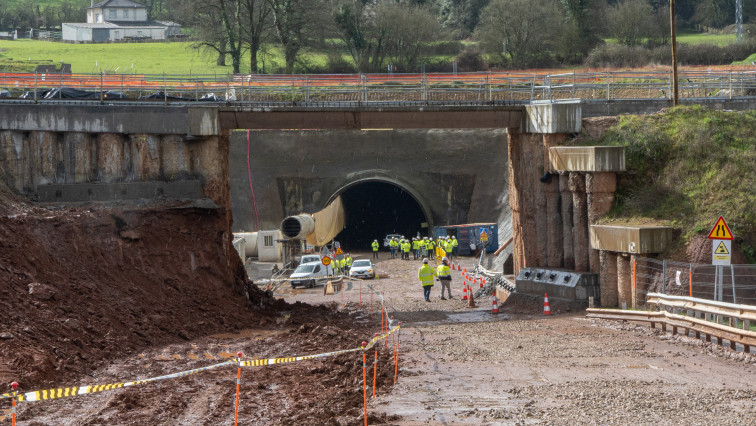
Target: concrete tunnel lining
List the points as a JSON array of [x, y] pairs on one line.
[[389, 181]]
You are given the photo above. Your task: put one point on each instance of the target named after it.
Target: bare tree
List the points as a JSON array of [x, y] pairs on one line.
[[292, 19], [363, 38], [256, 18], [522, 32], [631, 21], [408, 31]]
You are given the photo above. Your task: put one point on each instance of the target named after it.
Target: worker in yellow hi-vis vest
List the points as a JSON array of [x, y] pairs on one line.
[[425, 274]]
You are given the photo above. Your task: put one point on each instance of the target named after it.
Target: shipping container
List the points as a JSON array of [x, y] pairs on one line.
[[471, 237]]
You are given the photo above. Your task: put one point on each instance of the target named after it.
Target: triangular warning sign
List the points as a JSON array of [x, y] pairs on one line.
[[721, 248], [338, 251], [720, 231]]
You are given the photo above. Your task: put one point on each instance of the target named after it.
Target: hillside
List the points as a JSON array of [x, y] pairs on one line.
[[686, 167]]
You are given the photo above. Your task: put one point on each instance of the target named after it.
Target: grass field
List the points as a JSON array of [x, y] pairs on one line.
[[138, 58], [701, 38]]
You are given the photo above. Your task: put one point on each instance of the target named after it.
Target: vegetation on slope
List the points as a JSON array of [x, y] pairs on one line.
[[686, 167]]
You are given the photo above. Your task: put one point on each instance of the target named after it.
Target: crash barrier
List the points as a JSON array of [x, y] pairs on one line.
[[722, 321], [732, 283], [389, 328], [479, 87]]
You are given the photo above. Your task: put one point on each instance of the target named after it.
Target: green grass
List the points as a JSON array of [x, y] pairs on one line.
[[688, 166], [138, 58], [706, 38]]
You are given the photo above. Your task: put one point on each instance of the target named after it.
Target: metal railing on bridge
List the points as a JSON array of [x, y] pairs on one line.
[[469, 88]]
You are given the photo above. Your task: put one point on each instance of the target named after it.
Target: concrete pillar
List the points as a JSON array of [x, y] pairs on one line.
[[567, 222], [624, 280], [175, 157], [145, 157], [111, 165], [608, 278], [553, 215], [44, 160], [12, 158], [641, 285], [599, 188], [77, 157], [525, 156], [554, 224], [580, 236]]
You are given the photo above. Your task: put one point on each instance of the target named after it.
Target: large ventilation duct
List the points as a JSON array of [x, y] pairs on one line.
[[298, 227]]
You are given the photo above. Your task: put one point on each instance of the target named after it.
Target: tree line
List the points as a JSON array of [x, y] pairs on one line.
[[406, 34]]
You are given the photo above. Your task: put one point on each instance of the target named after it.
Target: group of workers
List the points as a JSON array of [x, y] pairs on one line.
[[341, 266], [420, 247], [442, 273]]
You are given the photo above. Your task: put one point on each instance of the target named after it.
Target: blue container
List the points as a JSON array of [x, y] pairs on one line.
[[471, 237]]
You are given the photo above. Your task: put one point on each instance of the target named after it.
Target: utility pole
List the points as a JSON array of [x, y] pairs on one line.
[[675, 94]]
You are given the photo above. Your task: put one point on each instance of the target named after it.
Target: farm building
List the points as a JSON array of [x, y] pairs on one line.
[[118, 20]]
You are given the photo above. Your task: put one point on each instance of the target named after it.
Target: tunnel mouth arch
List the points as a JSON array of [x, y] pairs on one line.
[[375, 207]]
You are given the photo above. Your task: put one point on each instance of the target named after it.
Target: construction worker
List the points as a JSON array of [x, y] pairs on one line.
[[424, 246], [444, 277], [375, 246], [393, 246], [454, 245], [425, 274], [415, 248], [448, 247], [348, 261], [406, 249], [431, 246]]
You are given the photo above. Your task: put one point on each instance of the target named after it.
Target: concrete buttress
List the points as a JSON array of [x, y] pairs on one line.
[[599, 188], [608, 278], [568, 250], [624, 279], [580, 235]]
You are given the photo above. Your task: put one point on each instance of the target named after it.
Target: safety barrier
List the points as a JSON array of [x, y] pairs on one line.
[[723, 321], [489, 87], [736, 283], [389, 327]]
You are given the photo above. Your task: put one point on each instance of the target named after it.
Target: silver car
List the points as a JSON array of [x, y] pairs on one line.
[[362, 268]]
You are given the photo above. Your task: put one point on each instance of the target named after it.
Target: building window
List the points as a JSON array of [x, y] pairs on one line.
[[113, 14], [268, 241], [117, 35], [98, 18], [125, 13]]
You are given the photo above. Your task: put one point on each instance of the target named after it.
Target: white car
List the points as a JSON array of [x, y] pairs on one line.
[[309, 275], [362, 268], [310, 258], [387, 239]]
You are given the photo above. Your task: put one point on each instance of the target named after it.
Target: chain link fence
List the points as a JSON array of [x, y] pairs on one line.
[[733, 284]]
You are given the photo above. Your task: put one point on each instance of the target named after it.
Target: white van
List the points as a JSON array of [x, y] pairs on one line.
[[310, 258], [310, 274]]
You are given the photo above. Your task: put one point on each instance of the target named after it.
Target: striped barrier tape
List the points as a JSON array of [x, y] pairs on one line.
[[47, 394]]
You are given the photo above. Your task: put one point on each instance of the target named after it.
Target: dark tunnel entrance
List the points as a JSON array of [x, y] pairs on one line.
[[375, 209]]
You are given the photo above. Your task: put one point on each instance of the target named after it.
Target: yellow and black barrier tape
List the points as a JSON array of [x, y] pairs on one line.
[[48, 394]]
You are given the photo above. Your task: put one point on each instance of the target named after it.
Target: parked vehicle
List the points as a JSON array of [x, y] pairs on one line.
[[309, 275], [310, 258], [362, 268], [388, 238]]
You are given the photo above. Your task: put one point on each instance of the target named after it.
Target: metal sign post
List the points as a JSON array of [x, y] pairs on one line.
[[721, 255]]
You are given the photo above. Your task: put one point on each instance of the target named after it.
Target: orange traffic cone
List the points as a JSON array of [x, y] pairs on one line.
[[471, 299], [464, 291], [495, 309], [546, 308], [481, 282]]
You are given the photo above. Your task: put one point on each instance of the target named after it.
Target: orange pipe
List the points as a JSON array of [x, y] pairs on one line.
[[238, 385], [690, 279], [364, 381]]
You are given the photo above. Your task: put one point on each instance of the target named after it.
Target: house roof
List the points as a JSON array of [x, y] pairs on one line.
[[110, 25], [117, 3]]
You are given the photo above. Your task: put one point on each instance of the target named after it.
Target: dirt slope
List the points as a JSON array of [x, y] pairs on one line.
[[81, 286]]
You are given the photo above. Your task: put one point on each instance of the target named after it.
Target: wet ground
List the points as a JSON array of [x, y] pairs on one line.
[[458, 365]]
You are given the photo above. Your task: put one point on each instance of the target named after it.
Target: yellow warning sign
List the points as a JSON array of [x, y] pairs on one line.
[[338, 251], [721, 248], [483, 235], [720, 231]]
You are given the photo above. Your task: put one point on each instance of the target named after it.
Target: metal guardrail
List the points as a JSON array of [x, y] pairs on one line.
[[506, 87], [722, 321]]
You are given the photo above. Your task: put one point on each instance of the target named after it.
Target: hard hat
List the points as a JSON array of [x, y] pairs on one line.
[[445, 259], [425, 260], [425, 238]]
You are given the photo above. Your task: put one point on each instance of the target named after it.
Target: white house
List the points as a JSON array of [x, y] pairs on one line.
[[114, 20]]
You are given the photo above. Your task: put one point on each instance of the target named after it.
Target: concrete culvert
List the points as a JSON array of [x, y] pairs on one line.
[[297, 226]]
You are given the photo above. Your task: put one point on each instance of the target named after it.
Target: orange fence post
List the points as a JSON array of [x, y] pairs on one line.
[[690, 279], [238, 385], [375, 366], [393, 346], [364, 379], [14, 385]]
